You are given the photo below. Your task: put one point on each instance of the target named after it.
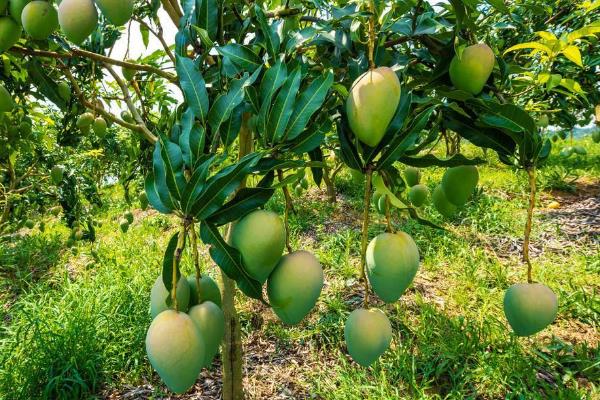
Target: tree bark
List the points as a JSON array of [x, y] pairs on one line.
[[232, 354]]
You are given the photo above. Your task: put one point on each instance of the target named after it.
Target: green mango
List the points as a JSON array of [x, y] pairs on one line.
[[143, 198], [260, 237], [298, 191], [530, 307], [294, 286], [15, 9], [418, 195], [159, 294], [29, 224], [392, 263], [128, 216], [441, 203], [57, 174], [567, 152], [382, 204], [64, 91], [580, 150], [368, 334], [129, 74], [472, 70], [596, 136], [412, 176], [10, 33], [7, 103], [99, 126], [372, 104], [126, 116], [210, 321], [175, 349], [25, 129], [124, 225], [77, 19], [209, 291], [40, 19], [304, 183], [543, 121], [459, 183], [357, 177], [118, 12], [85, 119]]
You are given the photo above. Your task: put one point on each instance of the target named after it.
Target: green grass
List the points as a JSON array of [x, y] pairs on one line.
[[75, 318]]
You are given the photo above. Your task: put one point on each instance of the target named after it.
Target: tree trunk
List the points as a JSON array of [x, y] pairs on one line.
[[232, 354], [329, 184]]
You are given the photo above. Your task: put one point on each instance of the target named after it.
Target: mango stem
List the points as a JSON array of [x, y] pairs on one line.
[[532, 191]]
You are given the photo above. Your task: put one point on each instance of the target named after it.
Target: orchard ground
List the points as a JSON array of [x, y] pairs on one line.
[[74, 319]]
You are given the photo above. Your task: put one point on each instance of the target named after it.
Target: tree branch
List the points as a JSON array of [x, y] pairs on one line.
[[97, 57]]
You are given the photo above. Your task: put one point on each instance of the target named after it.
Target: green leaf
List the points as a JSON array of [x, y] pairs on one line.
[[271, 37], [308, 103], [193, 87], [245, 201], [530, 45], [232, 127], [45, 85], [317, 172], [220, 186], [404, 141], [499, 5], [508, 116], [380, 187], [160, 178], [154, 197], [241, 56], [311, 138], [208, 16], [573, 54], [429, 160], [196, 183], [349, 154], [274, 78], [229, 260], [168, 262], [173, 162], [192, 144], [283, 107]]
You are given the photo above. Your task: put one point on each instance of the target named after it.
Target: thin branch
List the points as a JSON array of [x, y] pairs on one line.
[[159, 35], [97, 57]]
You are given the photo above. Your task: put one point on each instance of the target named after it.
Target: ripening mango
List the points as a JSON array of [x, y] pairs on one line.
[[392, 263], [412, 176], [459, 183], [159, 294], [64, 91], [368, 335], [40, 19], [418, 195], [57, 174], [99, 126], [372, 104], [441, 202], [175, 349], [209, 291], [530, 307], [77, 19], [260, 237], [10, 33], [210, 321], [294, 286], [118, 12], [84, 120], [471, 71], [7, 103]]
